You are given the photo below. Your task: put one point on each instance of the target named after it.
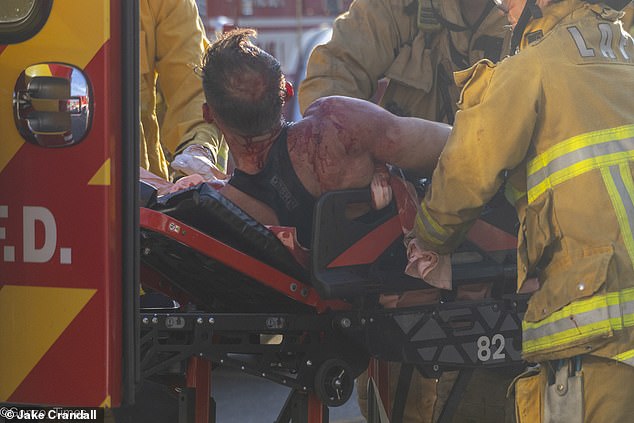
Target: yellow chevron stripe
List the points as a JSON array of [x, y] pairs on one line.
[[107, 402], [102, 176], [74, 33], [32, 318]]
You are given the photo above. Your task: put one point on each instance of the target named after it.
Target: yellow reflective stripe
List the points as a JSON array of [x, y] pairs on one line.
[[621, 195], [585, 305], [577, 169], [628, 236], [566, 336], [578, 155], [428, 229], [626, 357], [577, 142], [581, 319], [223, 154]]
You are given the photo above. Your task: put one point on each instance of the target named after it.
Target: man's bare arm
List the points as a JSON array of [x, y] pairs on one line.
[[367, 129]]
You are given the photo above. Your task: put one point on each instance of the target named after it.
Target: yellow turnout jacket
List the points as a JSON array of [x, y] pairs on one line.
[[172, 42]]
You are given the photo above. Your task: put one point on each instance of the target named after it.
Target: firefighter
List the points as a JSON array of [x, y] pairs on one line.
[[172, 42], [555, 124], [417, 45]]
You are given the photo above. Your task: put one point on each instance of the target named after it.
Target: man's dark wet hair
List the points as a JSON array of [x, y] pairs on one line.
[[243, 84]]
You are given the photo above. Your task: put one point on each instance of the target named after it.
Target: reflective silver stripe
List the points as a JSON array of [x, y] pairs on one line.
[[576, 156], [581, 325], [620, 187], [431, 234], [578, 322], [626, 357], [629, 362], [624, 206]]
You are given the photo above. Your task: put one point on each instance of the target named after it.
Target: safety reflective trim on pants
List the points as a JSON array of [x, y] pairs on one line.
[[428, 229], [626, 357], [579, 155], [597, 315], [620, 186]]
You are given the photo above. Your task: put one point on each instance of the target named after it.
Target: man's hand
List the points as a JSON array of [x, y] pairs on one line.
[[195, 179], [186, 182], [197, 159]]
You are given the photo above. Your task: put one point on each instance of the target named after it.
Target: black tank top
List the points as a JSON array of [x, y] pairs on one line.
[[278, 186]]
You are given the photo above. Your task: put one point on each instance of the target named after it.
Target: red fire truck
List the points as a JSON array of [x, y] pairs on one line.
[[68, 220]]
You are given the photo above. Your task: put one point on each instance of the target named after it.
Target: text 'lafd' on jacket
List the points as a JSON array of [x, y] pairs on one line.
[[381, 38], [172, 42], [558, 120]]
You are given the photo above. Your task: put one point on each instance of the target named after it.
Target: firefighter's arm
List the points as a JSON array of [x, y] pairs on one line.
[[491, 134], [364, 43], [181, 42]]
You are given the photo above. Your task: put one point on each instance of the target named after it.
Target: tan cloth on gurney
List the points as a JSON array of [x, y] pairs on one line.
[[429, 266]]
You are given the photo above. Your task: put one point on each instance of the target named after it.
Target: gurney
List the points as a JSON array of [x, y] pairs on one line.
[[240, 285]]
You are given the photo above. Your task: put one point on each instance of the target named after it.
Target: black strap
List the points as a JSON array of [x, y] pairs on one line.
[[402, 388], [460, 60], [487, 9], [445, 110], [278, 186], [244, 181], [455, 396], [530, 10]]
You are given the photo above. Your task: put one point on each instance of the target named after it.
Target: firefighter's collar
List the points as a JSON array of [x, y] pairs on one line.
[[553, 14]]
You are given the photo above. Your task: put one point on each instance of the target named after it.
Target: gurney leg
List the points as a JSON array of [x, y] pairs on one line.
[[303, 408], [402, 389], [195, 402]]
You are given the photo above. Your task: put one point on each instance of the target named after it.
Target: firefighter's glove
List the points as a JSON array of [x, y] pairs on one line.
[[198, 159]]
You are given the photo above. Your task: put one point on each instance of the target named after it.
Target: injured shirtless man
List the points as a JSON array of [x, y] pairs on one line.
[[282, 168]]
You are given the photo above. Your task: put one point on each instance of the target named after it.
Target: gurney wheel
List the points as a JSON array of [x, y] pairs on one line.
[[334, 382]]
